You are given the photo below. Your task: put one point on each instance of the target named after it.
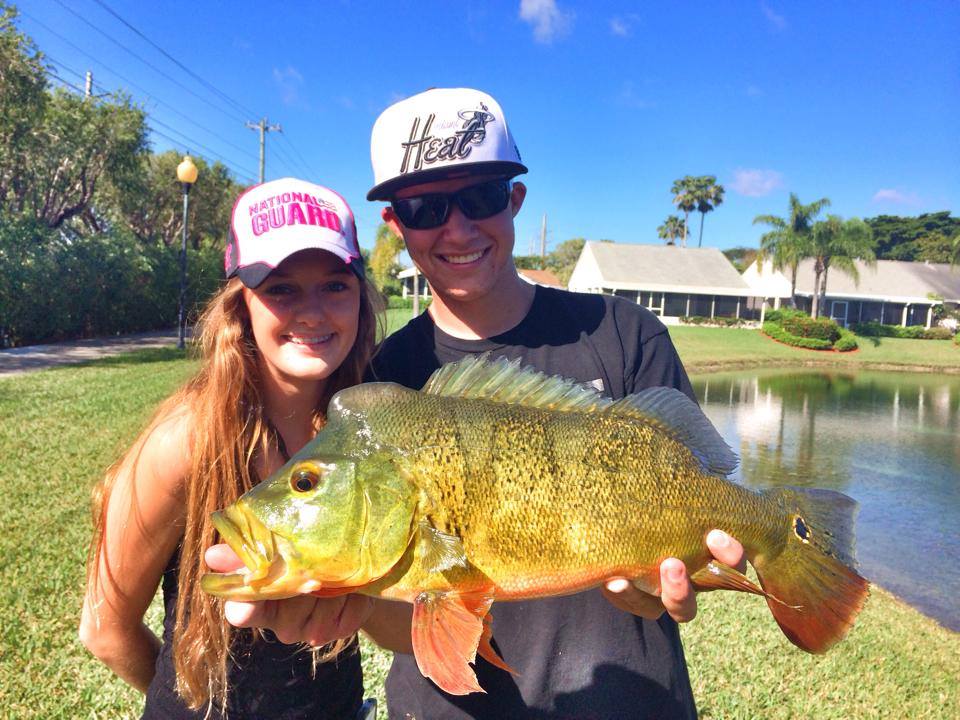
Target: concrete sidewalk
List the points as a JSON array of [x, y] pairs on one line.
[[37, 357]]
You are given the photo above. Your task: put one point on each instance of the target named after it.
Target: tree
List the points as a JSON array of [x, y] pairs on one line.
[[383, 260], [686, 202], [671, 229], [564, 257], [708, 195], [741, 257], [838, 243], [150, 202], [789, 241], [898, 238]]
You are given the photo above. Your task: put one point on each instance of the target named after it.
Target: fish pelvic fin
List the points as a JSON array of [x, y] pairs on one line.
[[448, 630], [817, 593]]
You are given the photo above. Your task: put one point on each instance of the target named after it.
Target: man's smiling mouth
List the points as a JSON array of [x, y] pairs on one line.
[[464, 259]]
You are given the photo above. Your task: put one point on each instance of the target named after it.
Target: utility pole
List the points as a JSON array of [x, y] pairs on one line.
[[264, 128], [543, 243]]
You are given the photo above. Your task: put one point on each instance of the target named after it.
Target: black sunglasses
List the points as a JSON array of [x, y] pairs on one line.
[[476, 202]]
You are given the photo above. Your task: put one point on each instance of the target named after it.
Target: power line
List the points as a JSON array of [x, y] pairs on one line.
[[150, 65], [194, 143], [298, 156], [179, 64], [149, 96]]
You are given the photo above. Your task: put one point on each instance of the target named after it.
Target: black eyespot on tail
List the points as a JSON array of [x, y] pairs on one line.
[[800, 528]]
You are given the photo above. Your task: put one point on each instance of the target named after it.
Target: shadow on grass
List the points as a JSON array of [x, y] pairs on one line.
[[139, 357]]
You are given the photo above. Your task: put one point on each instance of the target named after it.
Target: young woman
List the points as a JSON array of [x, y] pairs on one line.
[[294, 323]]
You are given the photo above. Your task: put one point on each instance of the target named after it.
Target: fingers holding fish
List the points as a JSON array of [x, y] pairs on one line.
[[334, 618], [676, 592], [624, 595], [727, 550]]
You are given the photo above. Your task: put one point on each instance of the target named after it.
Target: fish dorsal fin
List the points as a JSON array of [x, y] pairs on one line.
[[681, 418], [507, 381]]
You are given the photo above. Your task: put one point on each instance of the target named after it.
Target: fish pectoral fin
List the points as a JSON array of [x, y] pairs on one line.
[[439, 551], [447, 630], [717, 576]]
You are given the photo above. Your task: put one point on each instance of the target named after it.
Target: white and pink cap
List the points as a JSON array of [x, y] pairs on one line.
[[438, 134], [272, 221]]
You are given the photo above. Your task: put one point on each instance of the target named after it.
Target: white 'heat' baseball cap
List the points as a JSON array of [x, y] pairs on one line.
[[438, 134]]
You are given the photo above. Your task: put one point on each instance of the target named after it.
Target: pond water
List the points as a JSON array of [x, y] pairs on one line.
[[891, 441]]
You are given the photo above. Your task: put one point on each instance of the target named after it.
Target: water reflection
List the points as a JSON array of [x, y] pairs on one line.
[[889, 440]]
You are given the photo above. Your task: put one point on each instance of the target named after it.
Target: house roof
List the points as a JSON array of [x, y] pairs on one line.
[[657, 268], [889, 280], [541, 277]]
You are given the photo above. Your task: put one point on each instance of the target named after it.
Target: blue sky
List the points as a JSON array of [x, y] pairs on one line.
[[609, 101]]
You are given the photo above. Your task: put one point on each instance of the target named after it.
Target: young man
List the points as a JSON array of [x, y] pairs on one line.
[[445, 160]]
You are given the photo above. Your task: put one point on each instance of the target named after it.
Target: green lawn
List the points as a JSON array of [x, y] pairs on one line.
[[60, 428], [704, 349]]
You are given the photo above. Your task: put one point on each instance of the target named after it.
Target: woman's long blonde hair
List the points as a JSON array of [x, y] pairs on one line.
[[229, 433]]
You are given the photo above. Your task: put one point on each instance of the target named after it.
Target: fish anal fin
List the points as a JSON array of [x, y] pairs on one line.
[[718, 576], [447, 629]]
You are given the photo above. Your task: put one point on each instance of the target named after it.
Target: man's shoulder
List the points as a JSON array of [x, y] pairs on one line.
[[615, 313], [401, 352]]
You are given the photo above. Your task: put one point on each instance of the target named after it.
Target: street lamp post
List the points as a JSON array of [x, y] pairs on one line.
[[187, 175]]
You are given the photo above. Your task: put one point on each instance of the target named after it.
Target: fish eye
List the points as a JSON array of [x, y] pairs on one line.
[[304, 480]]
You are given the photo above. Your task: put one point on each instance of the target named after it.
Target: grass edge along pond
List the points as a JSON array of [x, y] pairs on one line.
[[62, 427]]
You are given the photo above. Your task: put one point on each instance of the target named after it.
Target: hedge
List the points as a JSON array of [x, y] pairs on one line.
[[806, 327], [778, 333], [911, 332], [56, 288], [395, 302], [720, 321]]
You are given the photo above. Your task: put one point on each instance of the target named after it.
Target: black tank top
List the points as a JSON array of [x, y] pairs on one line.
[[267, 678]]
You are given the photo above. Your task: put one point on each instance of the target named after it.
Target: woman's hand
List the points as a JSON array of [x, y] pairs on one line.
[[677, 596], [305, 618]]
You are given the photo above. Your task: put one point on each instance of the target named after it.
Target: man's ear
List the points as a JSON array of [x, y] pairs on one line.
[[517, 193], [390, 218]]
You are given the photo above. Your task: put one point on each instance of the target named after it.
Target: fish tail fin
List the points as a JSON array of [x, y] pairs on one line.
[[812, 589]]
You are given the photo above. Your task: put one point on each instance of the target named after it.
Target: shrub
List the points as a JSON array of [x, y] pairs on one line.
[[777, 332], [820, 329], [720, 321], [777, 316], [395, 302], [913, 332], [847, 341]]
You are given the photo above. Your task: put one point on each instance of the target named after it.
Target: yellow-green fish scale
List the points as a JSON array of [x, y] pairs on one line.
[[549, 502]]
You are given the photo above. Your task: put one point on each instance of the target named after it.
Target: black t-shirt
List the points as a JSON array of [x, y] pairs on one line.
[[576, 656]]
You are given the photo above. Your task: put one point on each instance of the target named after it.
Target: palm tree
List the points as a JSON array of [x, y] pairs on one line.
[[789, 241], [708, 195], [685, 201], [838, 243], [671, 229]]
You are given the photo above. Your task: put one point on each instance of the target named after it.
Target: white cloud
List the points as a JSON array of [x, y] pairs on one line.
[[622, 25], [629, 97], [289, 81], [755, 182], [548, 21], [895, 197], [779, 22]]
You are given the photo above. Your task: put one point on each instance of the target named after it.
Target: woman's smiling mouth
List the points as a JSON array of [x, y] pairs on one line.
[[309, 340]]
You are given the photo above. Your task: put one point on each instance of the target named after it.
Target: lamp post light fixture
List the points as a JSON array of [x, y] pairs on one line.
[[187, 175]]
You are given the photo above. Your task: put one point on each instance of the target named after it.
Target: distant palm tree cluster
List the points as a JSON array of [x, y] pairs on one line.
[[833, 242], [692, 192]]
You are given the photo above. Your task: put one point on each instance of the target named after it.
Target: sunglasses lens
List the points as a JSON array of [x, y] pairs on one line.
[[484, 200], [422, 212]]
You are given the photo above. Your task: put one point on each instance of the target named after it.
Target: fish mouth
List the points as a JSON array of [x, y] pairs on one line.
[[255, 545]]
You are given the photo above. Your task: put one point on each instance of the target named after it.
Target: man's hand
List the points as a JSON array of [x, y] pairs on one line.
[[306, 618], [677, 597]]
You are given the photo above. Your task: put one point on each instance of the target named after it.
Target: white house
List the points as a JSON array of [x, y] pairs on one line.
[[671, 281], [894, 292]]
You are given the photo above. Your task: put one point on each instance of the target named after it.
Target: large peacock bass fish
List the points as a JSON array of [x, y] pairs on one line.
[[496, 482]]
